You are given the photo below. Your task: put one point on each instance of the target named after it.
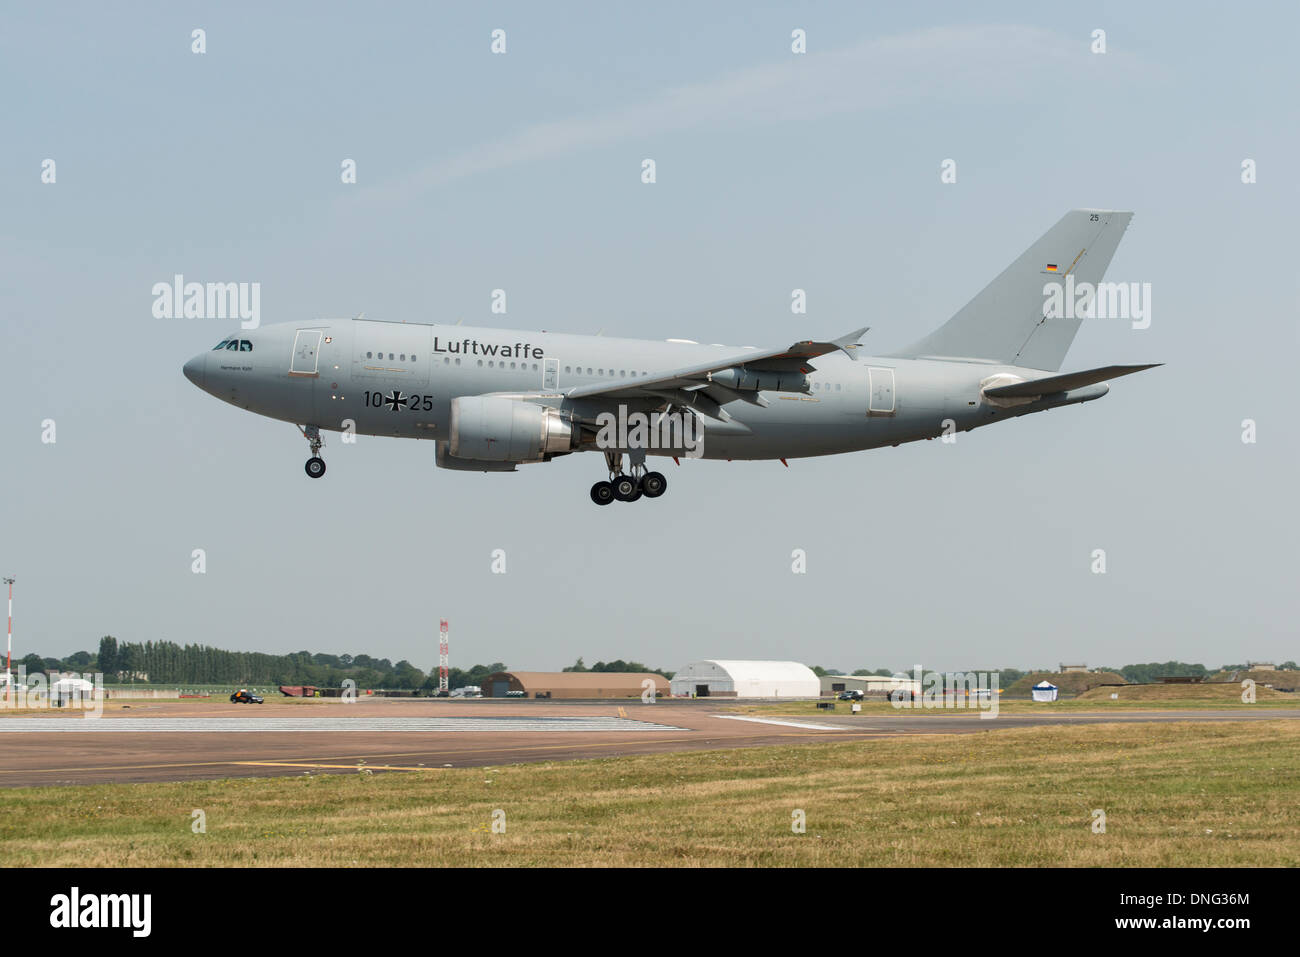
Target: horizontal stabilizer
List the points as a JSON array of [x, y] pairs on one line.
[[1051, 384]]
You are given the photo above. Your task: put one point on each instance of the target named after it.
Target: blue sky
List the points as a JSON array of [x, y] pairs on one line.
[[775, 172]]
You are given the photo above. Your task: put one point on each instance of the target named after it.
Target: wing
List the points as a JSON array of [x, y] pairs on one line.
[[694, 386]]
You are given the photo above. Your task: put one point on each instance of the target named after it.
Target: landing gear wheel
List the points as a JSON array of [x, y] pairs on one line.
[[626, 488], [602, 493], [315, 466], [653, 484]]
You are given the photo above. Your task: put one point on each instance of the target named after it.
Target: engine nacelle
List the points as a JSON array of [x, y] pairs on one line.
[[445, 460], [497, 429], [753, 381]]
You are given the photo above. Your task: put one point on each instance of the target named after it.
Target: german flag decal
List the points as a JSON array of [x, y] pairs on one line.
[[1051, 267]]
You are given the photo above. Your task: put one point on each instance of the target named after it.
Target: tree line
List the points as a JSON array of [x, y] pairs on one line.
[[165, 662], [619, 666]]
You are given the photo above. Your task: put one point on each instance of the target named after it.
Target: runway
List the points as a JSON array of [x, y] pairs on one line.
[[179, 741], [310, 724]]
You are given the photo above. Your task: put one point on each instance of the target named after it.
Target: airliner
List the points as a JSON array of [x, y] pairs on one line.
[[494, 399]]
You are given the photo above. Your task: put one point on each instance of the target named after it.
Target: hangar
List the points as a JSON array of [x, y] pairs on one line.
[[867, 684], [571, 684], [718, 678]]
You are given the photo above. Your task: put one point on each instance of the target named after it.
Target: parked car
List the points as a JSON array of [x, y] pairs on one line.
[[516, 694], [850, 696], [243, 697]]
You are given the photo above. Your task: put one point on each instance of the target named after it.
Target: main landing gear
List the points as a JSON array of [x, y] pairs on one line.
[[628, 487], [315, 465]]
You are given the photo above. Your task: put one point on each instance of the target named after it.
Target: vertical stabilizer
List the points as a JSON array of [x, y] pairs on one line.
[[1005, 322]]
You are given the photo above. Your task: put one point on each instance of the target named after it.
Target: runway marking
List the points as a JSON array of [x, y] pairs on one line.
[[789, 724], [362, 724], [343, 767]]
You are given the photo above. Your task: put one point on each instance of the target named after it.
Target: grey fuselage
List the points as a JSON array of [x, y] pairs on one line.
[[398, 379]]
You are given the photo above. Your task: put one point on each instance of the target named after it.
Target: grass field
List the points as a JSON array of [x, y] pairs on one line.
[[1173, 794]]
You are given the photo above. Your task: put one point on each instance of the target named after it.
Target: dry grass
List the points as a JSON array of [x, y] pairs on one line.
[[1069, 682], [1174, 794]]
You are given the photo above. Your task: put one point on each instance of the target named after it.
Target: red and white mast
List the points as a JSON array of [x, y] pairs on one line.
[[9, 644], [442, 656]]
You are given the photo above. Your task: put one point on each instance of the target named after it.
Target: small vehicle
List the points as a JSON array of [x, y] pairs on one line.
[[243, 697], [516, 694], [850, 696]]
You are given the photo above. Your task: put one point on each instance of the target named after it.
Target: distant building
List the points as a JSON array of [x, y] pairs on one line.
[[867, 684], [571, 684], [719, 678], [1071, 669]]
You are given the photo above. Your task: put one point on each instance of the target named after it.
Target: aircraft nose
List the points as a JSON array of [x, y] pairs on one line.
[[194, 369]]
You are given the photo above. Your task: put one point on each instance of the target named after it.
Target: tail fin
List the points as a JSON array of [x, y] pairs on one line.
[[1005, 322]]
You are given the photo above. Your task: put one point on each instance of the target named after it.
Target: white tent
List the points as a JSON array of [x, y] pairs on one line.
[[1044, 691], [71, 690]]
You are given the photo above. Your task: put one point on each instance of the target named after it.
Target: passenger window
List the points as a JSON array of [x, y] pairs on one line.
[[369, 356]]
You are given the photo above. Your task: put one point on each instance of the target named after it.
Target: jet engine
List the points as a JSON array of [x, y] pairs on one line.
[[498, 429]]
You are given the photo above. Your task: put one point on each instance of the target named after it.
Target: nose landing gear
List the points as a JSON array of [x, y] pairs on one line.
[[628, 487], [315, 466]]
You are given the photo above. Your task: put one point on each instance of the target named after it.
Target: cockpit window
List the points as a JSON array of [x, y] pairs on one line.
[[220, 345], [232, 345], [245, 345]]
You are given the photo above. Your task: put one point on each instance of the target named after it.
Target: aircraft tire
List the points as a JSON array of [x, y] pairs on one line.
[[602, 493], [653, 484], [315, 466], [625, 488]]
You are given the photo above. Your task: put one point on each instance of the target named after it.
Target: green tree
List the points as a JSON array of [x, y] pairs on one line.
[[78, 661], [108, 655]]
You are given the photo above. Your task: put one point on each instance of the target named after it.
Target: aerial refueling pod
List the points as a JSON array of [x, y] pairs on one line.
[[751, 380], [497, 429]]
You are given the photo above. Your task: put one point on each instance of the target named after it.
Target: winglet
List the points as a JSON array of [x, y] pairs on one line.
[[811, 349], [850, 342]]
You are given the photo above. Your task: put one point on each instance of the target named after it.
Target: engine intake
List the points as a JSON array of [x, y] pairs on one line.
[[496, 429]]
